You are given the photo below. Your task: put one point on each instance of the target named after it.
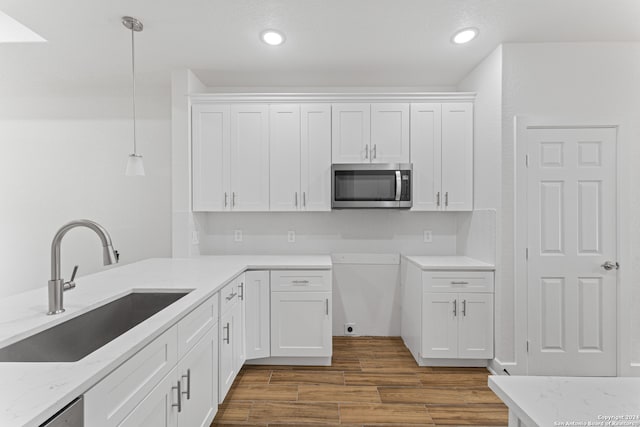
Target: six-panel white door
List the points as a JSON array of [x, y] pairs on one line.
[[351, 133], [439, 325], [571, 193], [457, 156], [315, 157], [284, 141], [250, 157], [257, 314], [301, 324], [210, 145], [426, 156], [389, 133]]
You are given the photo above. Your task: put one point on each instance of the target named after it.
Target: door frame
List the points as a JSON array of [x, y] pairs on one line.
[[520, 221]]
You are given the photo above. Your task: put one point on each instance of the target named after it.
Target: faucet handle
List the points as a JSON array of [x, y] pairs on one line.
[[71, 283]]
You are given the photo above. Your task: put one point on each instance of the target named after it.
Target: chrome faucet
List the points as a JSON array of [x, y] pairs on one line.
[[57, 285]]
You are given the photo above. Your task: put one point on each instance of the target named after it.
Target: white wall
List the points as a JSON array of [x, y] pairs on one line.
[[63, 159], [588, 83]]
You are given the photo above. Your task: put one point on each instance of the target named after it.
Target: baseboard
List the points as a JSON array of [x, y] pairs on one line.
[[460, 363], [295, 361], [498, 367]]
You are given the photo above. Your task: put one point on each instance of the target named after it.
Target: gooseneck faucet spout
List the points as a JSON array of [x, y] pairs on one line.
[[57, 285]]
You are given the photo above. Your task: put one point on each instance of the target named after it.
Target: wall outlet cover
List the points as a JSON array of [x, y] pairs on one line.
[[428, 236], [237, 235], [350, 329], [194, 237], [291, 236]]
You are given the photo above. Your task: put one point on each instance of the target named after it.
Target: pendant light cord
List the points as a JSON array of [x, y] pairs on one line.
[[133, 74]]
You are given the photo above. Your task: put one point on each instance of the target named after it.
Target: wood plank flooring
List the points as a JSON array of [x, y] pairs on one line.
[[373, 381]]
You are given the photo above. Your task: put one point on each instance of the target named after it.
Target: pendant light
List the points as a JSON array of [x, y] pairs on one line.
[[135, 165]]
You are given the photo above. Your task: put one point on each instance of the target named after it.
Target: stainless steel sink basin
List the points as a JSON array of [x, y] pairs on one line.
[[74, 339]]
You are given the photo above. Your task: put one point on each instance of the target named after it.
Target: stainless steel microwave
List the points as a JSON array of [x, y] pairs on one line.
[[371, 185]]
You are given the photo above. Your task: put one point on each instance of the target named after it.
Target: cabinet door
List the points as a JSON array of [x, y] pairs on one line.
[[315, 176], [226, 363], [301, 324], [198, 372], [457, 156], [284, 143], [250, 157], [156, 409], [257, 314], [426, 156], [439, 325], [389, 133], [351, 133], [239, 331], [475, 326], [210, 138]]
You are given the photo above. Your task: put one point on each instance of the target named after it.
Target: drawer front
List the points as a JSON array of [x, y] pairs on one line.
[[229, 296], [196, 324], [300, 280], [457, 281], [109, 401]]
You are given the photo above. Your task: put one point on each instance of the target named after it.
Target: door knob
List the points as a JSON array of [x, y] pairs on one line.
[[610, 265]]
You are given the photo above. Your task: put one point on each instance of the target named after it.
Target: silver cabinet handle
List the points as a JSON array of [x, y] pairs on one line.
[[446, 198], [296, 199], [464, 307], [304, 199], [438, 199], [226, 339], [461, 282], [300, 282], [179, 404], [455, 307], [366, 151], [226, 199], [188, 378], [375, 151], [327, 305], [233, 199], [608, 265], [241, 291]]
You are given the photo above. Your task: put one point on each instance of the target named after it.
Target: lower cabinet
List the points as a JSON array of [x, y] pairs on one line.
[[257, 314], [156, 410], [301, 314], [232, 334]]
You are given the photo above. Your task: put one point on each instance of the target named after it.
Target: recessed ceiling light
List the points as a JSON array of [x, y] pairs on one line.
[[465, 35], [272, 37]]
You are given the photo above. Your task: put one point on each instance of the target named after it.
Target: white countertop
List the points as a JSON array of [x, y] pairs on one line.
[[546, 401], [32, 392], [448, 263]]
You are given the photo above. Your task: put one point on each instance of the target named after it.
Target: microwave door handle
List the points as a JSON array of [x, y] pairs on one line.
[[398, 186]]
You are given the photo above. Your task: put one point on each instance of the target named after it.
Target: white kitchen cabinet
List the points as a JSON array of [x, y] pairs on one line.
[[475, 326], [370, 133], [230, 157], [351, 133], [240, 332], [157, 408], [300, 141], [442, 156], [210, 149], [198, 374], [439, 325], [301, 313], [258, 314], [389, 133], [232, 336]]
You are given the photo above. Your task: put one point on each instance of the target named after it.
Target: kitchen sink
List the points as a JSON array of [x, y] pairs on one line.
[[76, 338]]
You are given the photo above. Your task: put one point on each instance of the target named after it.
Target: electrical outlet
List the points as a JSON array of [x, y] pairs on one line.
[[428, 236], [291, 236], [237, 235], [194, 237], [350, 329]]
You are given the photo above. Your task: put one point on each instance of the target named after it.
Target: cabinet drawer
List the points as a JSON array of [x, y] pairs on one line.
[[196, 324], [228, 296], [454, 281], [301, 280], [109, 401]]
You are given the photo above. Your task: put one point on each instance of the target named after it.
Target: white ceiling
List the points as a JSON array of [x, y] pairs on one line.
[[329, 42]]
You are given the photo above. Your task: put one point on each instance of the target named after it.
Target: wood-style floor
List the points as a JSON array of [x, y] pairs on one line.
[[372, 382]]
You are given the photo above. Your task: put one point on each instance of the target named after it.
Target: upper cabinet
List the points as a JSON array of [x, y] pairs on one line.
[[442, 156], [300, 140], [230, 157], [370, 133]]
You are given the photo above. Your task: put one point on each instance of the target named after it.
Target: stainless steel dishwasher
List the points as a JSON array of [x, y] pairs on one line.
[[71, 416]]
